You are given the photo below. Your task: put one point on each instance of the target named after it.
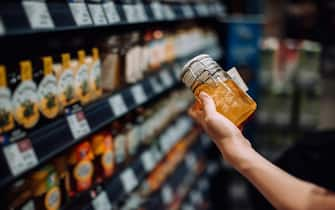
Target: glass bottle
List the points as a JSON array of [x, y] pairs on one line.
[[202, 73]]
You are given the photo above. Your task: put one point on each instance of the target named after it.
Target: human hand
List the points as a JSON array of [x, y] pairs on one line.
[[227, 137]]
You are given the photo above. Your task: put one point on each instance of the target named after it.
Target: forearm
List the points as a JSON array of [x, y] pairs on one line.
[[282, 190]]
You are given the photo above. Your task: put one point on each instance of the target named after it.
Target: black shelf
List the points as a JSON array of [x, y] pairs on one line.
[[16, 22]]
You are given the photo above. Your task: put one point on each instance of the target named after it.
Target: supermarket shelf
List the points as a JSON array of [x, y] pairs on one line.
[[62, 16], [117, 189]]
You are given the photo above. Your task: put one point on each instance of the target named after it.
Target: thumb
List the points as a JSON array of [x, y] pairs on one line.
[[208, 104]]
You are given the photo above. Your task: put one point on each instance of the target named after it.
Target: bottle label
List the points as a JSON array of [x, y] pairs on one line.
[[6, 116], [47, 96], [83, 173], [52, 199], [107, 162], [65, 87], [95, 78], [82, 86], [25, 104]]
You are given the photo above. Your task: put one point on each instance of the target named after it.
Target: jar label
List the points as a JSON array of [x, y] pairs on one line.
[[52, 199], [83, 173], [65, 87], [6, 116], [47, 96], [82, 86]]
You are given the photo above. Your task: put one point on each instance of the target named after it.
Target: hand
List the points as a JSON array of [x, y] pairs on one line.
[[227, 137]]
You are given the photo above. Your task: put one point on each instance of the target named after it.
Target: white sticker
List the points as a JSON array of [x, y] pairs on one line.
[[129, 180], [157, 87], [98, 14], [233, 73], [80, 13], [202, 9], [131, 12], [101, 202], [157, 10], [20, 156], [166, 78], [167, 194], [38, 14], [111, 12], [141, 15], [191, 161], [28, 206], [118, 105], [187, 11], [2, 27], [168, 12], [138, 94], [78, 124], [148, 161]]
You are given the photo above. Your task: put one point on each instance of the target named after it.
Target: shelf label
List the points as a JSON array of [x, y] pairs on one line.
[[168, 12], [157, 10], [141, 15], [129, 180], [101, 202], [196, 197], [98, 14], [20, 156], [118, 105], [191, 161], [2, 27], [138, 93], [77, 121], [148, 161], [187, 11], [156, 86], [28, 206], [166, 78], [38, 14], [80, 13], [111, 12], [167, 194], [131, 12], [202, 9]]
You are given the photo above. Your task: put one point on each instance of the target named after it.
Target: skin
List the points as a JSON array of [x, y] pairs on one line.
[[282, 190]]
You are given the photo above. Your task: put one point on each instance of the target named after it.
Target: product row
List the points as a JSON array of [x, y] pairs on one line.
[[45, 87], [96, 159]]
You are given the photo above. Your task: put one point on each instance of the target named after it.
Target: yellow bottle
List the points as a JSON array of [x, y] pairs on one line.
[[202, 73]]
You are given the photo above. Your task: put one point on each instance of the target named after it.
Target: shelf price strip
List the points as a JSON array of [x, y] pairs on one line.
[[97, 13], [101, 202], [38, 14], [80, 13], [129, 180], [77, 121], [111, 12], [117, 105]]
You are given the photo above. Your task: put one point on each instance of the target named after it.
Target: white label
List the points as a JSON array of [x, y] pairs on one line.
[[191, 161], [168, 12], [187, 10], [167, 194], [101, 202], [166, 78], [28, 206], [111, 12], [141, 15], [129, 180], [2, 27], [138, 94], [20, 156], [202, 9], [78, 124], [131, 12], [118, 105], [38, 14], [233, 73], [196, 197], [80, 14], [157, 87], [148, 161], [157, 10], [97, 13]]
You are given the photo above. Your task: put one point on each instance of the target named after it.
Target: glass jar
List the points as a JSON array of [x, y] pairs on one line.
[[202, 73]]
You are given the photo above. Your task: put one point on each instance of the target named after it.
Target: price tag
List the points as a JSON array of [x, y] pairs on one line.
[[187, 11], [191, 161], [196, 197], [166, 78], [80, 13], [148, 161], [111, 12], [20, 156], [138, 93], [129, 180], [118, 105], [141, 15], [202, 9], [98, 14], [101, 202], [168, 12], [157, 10], [155, 85], [130, 11], [2, 27], [77, 121], [38, 14], [28, 206], [167, 194]]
